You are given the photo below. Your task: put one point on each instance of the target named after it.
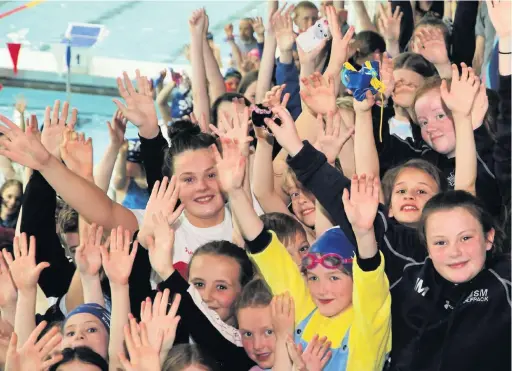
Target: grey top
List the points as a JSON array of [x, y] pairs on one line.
[[485, 29]]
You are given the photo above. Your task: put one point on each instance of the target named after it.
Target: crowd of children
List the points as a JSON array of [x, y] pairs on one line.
[[357, 230]]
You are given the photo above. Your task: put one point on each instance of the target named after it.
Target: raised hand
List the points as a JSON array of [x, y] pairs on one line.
[[365, 105], [24, 271], [8, 293], [386, 75], [430, 43], [77, 154], [34, 354], [389, 22], [163, 199], [160, 246], [117, 129], [55, 127], [140, 108], [259, 28], [333, 136], [235, 127], [118, 262], [143, 356], [282, 25], [463, 90], [286, 133], [88, 254], [480, 106], [197, 23], [361, 206], [24, 148], [160, 320], [499, 12], [340, 42], [317, 354], [273, 97], [230, 166], [319, 93], [283, 315]]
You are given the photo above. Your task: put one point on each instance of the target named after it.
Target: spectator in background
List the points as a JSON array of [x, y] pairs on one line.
[[247, 41], [10, 194], [485, 35], [305, 15], [232, 80], [67, 228]]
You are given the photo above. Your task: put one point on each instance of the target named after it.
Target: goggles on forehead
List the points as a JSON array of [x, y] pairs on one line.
[[329, 261]]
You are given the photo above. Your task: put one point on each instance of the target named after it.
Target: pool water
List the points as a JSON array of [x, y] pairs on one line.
[[93, 112]]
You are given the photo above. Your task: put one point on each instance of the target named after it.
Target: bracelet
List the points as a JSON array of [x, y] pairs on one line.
[[500, 52]]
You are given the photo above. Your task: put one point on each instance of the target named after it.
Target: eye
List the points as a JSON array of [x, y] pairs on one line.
[[269, 332], [440, 116], [422, 192], [294, 194], [334, 278], [212, 175], [466, 238], [422, 123], [188, 180], [400, 191], [247, 334], [221, 287], [198, 285], [92, 330], [70, 333], [303, 249], [440, 243], [312, 278]]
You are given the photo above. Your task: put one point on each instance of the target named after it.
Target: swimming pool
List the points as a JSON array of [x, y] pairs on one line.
[[93, 112]]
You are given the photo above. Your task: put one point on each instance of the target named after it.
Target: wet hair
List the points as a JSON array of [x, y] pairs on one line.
[[247, 80], [184, 136], [82, 354], [305, 5], [389, 179], [226, 97], [286, 227], [67, 220], [230, 250], [182, 356], [415, 63], [255, 294], [461, 199], [368, 42], [433, 21]]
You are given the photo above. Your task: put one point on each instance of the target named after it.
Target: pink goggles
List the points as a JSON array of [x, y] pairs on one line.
[[329, 261]]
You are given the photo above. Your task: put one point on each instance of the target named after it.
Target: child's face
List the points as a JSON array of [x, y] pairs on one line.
[[245, 29], [305, 18], [86, 330], [255, 324], [456, 244], [298, 247], [216, 278], [436, 126], [406, 84], [303, 205], [411, 191], [330, 289]]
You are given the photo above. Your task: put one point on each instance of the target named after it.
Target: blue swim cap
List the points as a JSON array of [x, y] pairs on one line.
[[96, 310]]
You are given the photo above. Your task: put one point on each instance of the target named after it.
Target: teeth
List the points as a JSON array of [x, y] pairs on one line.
[[409, 208], [202, 199]]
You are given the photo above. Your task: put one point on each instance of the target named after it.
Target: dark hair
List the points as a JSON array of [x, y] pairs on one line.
[[255, 294], [67, 220], [184, 136], [492, 113], [182, 356], [226, 97], [248, 79], [452, 199], [389, 179], [367, 43], [433, 21], [416, 63], [230, 250], [83, 354], [285, 226]]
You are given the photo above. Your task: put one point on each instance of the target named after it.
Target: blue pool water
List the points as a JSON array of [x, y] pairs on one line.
[[93, 112]]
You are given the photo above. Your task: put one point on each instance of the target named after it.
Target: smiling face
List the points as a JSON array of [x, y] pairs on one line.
[[406, 84], [303, 202], [330, 289], [250, 92], [217, 278], [11, 199], [258, 339], [86, 330], [411, 191], [305, 18], [457, 244], [199, 189], [437, 128]]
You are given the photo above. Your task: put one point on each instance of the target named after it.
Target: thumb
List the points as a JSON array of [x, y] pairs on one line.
[[345, 199], [120, 106], [13, 345], [445, 95], [41, 266]]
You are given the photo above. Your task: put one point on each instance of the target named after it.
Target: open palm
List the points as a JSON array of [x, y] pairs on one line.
[[77, 153], [55, 126], [88, 255], [319, 94], [118, 262], [230, 166], [361, 206], [463, 90], [160, 245]]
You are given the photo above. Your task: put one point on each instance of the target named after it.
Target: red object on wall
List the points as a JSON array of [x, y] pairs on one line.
[[14, 51]]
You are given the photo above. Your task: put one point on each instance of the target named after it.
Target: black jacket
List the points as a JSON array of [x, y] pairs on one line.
[[440, 326]]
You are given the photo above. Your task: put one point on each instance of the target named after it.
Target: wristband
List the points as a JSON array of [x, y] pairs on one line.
[[505, 53]]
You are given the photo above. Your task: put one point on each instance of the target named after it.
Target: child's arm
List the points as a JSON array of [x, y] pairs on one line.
[[216, 86], [283, 323], [268, 60], [117, 263], [161, 101], [459, 100]]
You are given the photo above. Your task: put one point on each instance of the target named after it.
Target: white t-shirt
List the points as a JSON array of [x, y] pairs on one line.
[[188, 238]]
